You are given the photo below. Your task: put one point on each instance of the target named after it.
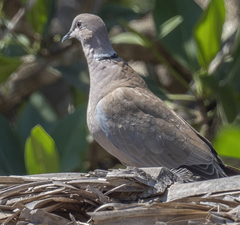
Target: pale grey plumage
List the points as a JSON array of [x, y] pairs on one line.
[[128, 120]]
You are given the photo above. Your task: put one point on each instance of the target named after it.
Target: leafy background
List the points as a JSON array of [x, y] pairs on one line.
[[187, 51]]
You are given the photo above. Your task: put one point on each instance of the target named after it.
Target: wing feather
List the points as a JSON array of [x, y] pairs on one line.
[[148, 132]]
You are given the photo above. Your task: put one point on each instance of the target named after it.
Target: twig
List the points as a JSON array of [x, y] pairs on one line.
[[14, 21], [116, 188], [11, 217], [102, 198]]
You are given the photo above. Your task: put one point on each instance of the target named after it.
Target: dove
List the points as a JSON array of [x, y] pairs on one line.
[[128, 120]]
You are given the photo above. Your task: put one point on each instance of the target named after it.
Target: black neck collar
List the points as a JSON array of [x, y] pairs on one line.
[[114, 56]]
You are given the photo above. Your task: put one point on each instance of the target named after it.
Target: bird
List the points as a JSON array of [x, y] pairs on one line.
[[128, 120]]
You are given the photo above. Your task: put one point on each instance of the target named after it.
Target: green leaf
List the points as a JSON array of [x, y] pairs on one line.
[[208, 32], [38, 15], [233, 75], [37, 111], [208, 81], [224, 94], [227, 106], [70, 138], [41, 155], [168, 26], [11, 153], [7, 67], [181, 97], [127, 38], [179, 17], [227, 141]]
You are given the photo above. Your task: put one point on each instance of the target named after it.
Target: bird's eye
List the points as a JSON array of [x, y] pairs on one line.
[[79, 24]]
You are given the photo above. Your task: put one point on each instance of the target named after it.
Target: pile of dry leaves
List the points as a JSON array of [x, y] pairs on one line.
[[127, 196]]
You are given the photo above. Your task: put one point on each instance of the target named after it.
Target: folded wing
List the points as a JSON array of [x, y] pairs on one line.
[[151, 134]]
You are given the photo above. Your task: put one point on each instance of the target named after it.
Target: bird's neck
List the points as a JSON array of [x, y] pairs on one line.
[[98, 50], [98, 60], [100, 68]]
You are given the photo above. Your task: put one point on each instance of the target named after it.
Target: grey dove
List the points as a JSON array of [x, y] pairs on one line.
[[128, 120]]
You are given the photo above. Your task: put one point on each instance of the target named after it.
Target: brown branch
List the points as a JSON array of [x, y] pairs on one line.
[[22, 83], [29, 78]]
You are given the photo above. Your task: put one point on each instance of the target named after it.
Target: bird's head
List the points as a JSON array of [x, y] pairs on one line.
[[90, 30]]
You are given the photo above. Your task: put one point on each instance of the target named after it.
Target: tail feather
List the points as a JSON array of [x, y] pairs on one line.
[[206, 172], [213, 171], [218, 168], [231, 171]]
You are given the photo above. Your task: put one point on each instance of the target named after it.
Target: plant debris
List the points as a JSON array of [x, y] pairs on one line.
[[124, 196]]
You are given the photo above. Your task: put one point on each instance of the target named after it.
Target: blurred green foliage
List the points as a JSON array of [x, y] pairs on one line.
[[227, 141], [180, 41], [40, 146], [208, 32], [8, 66], [40, 141]]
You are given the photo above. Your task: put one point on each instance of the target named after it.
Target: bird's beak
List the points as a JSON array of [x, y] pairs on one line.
[[67, 36]]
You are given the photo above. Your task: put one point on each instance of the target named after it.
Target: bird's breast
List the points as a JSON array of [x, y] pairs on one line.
[[101, 138]]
